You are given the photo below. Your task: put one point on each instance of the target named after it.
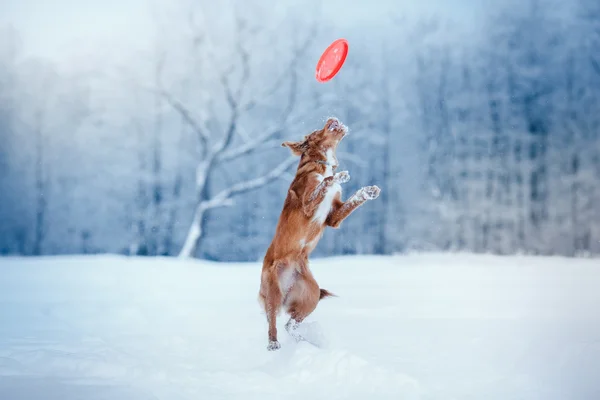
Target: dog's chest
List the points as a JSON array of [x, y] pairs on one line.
[[325, 206], [330, 161]]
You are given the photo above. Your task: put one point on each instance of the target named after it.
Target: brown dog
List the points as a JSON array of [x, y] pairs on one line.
[[313, 202]]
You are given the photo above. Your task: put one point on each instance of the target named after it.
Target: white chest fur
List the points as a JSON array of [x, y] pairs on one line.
[[310, 246], [325, 207], [330, 162]]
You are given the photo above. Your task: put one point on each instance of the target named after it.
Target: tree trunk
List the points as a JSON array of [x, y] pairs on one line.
[[196, 231], [40, 191], [172, 218], [194, 234]]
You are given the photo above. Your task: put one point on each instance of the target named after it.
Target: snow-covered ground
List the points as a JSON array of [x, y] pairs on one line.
[[406, 327]]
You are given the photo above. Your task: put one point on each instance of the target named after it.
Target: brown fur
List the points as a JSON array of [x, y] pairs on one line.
[[286, 279]]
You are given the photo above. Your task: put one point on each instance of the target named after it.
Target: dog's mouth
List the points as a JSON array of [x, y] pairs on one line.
[[334, 125]]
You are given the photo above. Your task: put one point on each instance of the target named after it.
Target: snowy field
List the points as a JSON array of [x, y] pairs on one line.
[[406, 327]]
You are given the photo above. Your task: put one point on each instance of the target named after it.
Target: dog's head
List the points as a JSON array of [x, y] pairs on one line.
[[320, 141]]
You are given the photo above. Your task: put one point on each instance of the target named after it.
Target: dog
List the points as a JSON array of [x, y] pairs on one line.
[[313, 202]]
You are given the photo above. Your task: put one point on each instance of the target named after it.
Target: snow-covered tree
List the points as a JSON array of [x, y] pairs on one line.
[[231, 99]]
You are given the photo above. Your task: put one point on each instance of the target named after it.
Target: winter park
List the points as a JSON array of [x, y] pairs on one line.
[[319, 199]]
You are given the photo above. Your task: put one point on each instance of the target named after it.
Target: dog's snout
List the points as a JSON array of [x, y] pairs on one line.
[[334, 124]]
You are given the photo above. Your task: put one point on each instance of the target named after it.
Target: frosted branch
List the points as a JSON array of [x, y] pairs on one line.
[[244, 55], [199, 128], [285, 73], [247, 148], [223, 198]]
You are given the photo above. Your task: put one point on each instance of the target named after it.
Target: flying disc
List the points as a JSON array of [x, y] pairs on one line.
[[331, 60]]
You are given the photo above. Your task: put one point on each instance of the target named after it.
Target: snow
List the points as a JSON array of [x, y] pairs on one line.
[[404, 327]]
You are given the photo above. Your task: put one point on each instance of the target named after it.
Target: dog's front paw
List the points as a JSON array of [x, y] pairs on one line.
[[370, 192], [342, 177], [273, 345]]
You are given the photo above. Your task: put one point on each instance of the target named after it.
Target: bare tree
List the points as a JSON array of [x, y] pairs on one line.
[[223, 139], [169, 230], [139, 244], [38, 121], [41, 183], [157, 195]]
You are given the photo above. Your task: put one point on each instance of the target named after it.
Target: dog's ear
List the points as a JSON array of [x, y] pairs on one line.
[[297, 148]]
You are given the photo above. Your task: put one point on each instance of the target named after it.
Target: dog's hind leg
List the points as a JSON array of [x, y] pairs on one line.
[[271, 293], [292, 328], [302, 301]]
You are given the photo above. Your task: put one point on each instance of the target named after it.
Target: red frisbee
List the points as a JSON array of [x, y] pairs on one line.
[[331, 60]]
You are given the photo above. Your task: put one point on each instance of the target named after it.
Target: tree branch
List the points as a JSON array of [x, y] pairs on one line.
[[201, 131], [298, 53], [229, 95], [260, 143], [223, 198], [271, 133], [232, 126], [263, 141], [244, 55]]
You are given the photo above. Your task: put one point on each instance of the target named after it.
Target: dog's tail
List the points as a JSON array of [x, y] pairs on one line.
[[325, 293]]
